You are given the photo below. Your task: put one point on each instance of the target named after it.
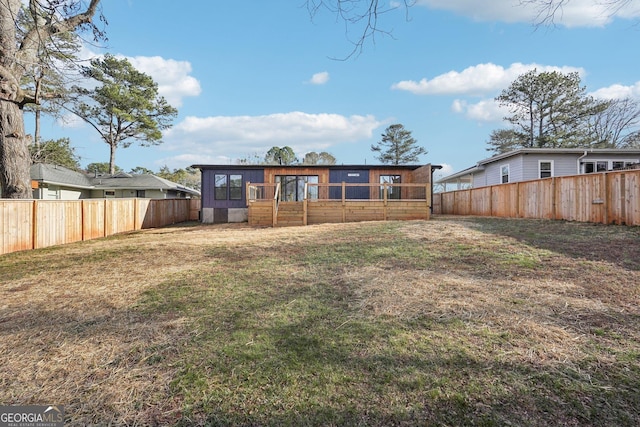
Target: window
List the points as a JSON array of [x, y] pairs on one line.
[[597, 166], [235, 187], [140, 194], [220, 187], [545, 168], [504, 174], [292, 187], [617, 165], [392, 192]]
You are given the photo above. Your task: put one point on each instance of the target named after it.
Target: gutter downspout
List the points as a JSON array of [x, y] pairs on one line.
[[586, 152]]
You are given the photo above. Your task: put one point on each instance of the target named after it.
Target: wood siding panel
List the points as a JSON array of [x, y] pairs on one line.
[[30, 224], [63, 222], [632, 197], [504, 200], [536, 199], [16, 226], [261, 213], [93, 219], [607, 198], [120, 216]]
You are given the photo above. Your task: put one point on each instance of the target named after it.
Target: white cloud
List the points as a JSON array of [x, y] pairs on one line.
[[618, 91], [446, 170], [486, 110], [570, 13], [172, 77], [70, 121], [319, 78], [239, 136], [475, 80]]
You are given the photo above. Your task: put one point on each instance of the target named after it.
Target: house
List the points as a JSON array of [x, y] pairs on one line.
[[228, 191], [52, 182], [534, 163]]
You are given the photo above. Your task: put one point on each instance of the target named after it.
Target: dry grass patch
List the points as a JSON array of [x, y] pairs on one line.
[[455, 321]]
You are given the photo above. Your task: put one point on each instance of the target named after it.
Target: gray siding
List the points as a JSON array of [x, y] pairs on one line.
[[563, 164]]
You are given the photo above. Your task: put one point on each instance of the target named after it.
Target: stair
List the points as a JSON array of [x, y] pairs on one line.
[[290, 214]]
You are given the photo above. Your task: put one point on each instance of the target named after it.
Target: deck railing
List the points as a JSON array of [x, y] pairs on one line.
[[341, 202]]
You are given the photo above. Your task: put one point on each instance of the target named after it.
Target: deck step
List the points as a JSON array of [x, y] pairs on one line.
[[290, 214]]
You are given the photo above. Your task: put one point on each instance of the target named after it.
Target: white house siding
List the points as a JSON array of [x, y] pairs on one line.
[[493, 171], [563, 164], [69, 194]]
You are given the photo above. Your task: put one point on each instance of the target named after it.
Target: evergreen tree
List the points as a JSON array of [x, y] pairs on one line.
[[57, 152], [548, 110], [125, 107], [322, 158], [280, 156], [398, 146]]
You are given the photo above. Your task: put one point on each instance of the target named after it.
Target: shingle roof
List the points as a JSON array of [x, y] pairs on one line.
[[53, 174]]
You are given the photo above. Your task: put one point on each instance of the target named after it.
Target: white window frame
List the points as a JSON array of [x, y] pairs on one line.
[[502, 174], [583, 164], [540, 162]]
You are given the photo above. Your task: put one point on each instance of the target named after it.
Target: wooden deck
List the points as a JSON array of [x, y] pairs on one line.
[[274, 213]]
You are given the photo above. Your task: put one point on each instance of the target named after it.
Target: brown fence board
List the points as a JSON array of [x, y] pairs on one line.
[[93, 219], [608, 198], [29, 224], [16, 219], [62, 222]]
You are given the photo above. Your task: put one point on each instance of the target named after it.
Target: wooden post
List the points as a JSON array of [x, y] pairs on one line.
[[553, 198], [104, 219], [623, 199], [605, 198], [34, 224], [518, 200], [344, 202], [305, 202], [385, 193], [428, 196]]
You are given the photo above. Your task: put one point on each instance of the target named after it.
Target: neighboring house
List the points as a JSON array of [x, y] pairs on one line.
[[52, 182], [224, 187], [535, 163]]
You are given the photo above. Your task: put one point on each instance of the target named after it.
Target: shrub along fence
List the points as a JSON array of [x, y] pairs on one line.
[[33, 224], [607, 198]]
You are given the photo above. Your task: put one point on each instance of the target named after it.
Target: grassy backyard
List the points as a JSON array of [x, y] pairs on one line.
[[453, 321]]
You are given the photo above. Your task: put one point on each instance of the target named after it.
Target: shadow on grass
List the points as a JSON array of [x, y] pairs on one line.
[[615, 244], [301, 356]]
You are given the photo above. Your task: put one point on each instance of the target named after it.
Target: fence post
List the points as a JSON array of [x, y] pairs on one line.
[[344, 202], [518, 200], [553, 198], [605, 198], [34, 224]]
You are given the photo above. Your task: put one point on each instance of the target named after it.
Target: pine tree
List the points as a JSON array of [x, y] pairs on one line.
[[398, 146]]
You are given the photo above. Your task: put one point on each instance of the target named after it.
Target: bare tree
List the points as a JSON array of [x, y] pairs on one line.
[[363, 15], [548, 11], [617, 126], [19, 52]]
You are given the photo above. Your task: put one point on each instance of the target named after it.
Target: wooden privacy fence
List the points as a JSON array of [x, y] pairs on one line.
[[33, 224], [607, 198]]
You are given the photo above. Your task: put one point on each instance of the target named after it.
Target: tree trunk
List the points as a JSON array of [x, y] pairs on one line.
[[112, 159], [15, 161]]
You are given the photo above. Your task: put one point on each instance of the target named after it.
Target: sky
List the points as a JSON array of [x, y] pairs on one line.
[[247, 76]]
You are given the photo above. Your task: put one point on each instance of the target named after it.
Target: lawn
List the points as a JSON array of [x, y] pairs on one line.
[[453, 321]]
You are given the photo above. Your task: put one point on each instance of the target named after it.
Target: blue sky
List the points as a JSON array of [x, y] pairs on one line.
[[246, 76]]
